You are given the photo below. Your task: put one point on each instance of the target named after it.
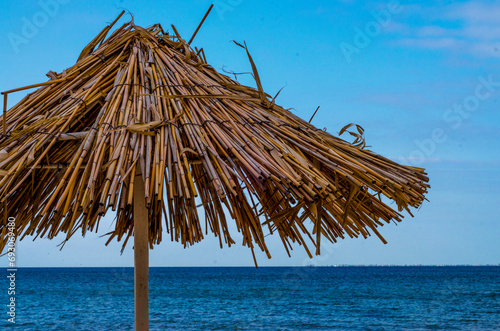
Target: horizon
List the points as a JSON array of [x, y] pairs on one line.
[[292, 266]]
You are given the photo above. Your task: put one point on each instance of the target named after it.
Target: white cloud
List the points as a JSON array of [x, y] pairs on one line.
[[431, 43], [474, 11], [482, 32], [470, 27], [488, 49], [434, 31], [396, 27]]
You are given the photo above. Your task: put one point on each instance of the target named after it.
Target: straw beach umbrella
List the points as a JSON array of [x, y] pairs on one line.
[[141, 125]]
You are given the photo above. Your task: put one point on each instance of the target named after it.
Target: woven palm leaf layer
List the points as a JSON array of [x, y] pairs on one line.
[[207, 148]]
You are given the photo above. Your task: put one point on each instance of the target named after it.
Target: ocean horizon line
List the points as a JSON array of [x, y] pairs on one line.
[[252, 266]]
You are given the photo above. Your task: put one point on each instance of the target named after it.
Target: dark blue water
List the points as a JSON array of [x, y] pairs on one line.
[[375, 298]]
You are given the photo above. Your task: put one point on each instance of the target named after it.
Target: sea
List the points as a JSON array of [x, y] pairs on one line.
[[267, 298]]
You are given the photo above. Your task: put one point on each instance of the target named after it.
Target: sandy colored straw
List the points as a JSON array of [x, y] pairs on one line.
[[210, 150]]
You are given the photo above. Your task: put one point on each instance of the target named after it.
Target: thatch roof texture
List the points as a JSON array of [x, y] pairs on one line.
[[143, 98]]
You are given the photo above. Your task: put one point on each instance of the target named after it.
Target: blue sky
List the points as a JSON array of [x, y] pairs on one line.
[[422, 78]]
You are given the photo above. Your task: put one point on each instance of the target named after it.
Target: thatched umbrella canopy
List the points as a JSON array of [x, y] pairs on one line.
[[142, 101]]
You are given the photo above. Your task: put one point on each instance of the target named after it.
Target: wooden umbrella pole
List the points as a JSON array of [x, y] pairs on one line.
[[141, 255]]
